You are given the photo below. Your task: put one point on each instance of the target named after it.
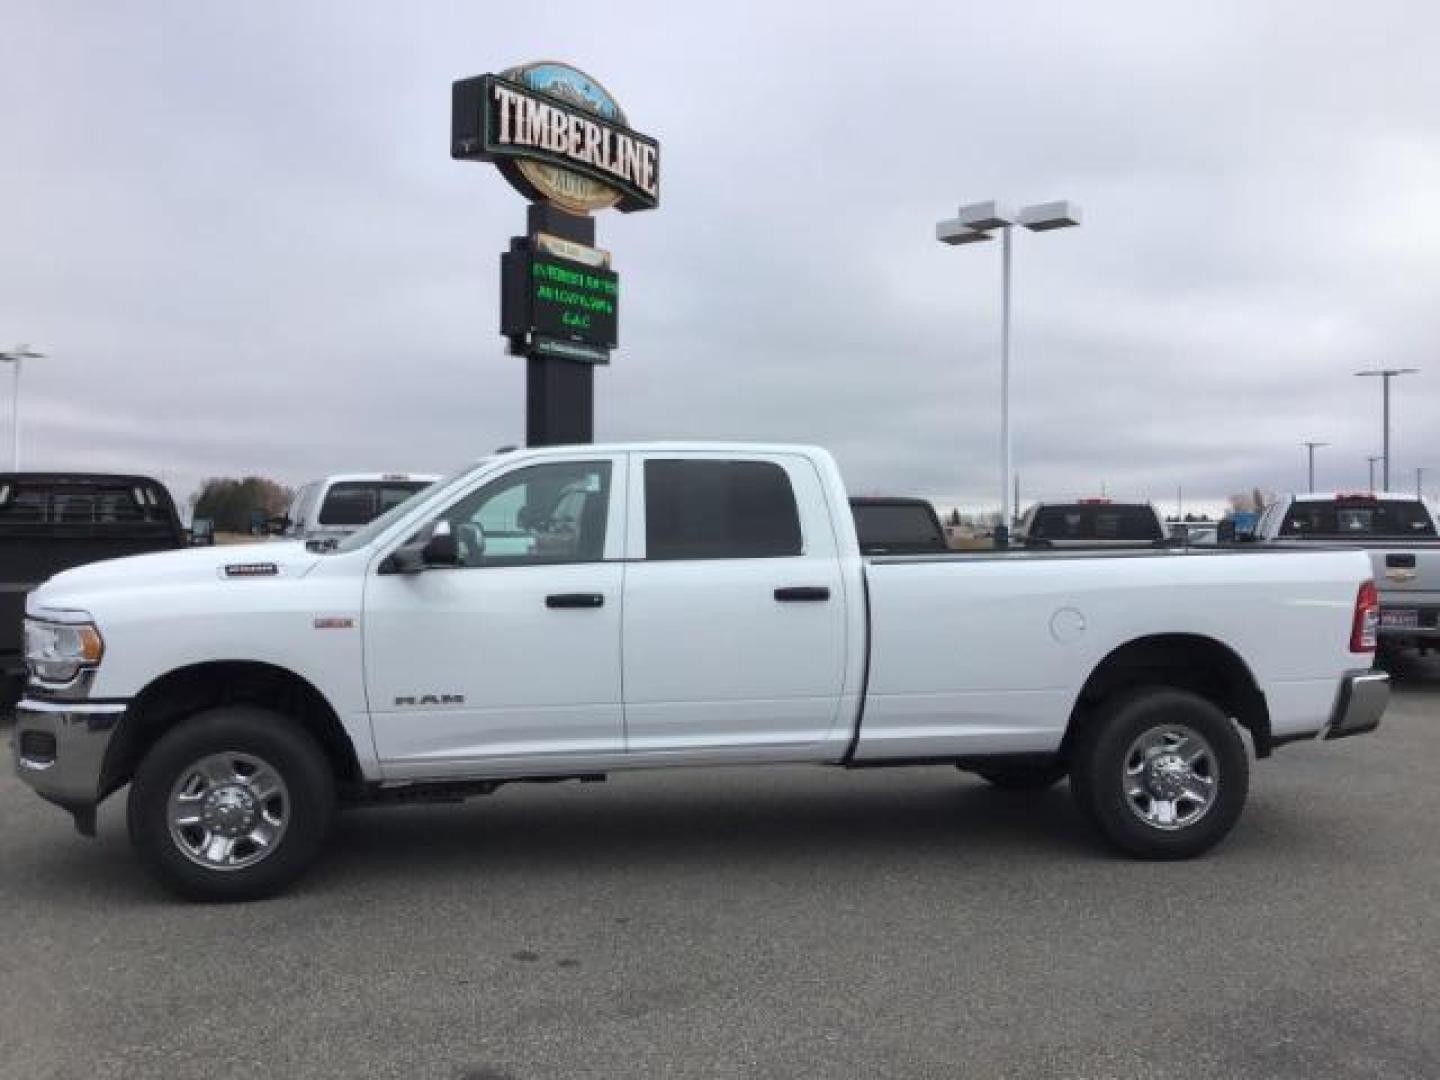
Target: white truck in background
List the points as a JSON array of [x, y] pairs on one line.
[[1396, 530], [326, 510], [576, 611]]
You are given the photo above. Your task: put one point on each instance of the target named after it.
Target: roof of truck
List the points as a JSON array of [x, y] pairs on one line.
[[77, 478], [1359, 496], [671, 446], [376, 478]]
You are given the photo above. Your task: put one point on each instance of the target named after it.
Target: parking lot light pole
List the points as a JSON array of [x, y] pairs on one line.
[[976, 222], [1311, 448], [1385, 375], [14, 357], [1371, 461]]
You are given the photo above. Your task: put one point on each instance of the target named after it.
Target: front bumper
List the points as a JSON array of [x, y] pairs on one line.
[[60, 751], [1359, 704]]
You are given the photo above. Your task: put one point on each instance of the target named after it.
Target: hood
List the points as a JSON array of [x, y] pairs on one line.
[[206, 564]]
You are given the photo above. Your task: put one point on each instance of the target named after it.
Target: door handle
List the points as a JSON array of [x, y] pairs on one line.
[[794, 593], [575, 600]]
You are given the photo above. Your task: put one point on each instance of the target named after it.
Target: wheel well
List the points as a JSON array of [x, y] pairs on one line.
[[183, 692], [1191, 662]]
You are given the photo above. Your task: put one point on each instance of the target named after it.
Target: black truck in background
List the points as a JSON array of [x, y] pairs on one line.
[[50, 522], [895, 525]]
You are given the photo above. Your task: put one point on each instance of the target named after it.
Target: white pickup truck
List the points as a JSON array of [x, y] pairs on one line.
[[571, 612]]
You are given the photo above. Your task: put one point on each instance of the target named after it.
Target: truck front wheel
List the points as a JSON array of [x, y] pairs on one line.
[[1162, 773], [232, 804]]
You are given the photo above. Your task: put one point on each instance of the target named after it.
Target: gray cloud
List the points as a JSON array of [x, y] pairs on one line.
[[237, 231]]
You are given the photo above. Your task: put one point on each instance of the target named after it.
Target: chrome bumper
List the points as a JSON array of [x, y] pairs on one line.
[[1362, 699], [60, 751]]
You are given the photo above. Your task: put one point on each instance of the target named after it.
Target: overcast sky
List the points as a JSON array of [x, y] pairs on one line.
[[237, 231]]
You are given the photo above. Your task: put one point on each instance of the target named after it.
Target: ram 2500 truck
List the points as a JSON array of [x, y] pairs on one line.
[[1399, 533], [572, 612]]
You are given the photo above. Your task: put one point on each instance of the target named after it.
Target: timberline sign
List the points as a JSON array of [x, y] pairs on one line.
[[558, 136]]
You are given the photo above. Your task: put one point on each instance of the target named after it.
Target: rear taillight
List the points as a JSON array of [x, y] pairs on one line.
[[1367, 618]]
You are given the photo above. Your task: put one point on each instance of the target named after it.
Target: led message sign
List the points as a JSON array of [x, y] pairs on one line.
[[547, 301]]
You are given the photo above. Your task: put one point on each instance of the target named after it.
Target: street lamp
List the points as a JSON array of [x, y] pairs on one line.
[[1311, 448], [1385, 375], [15, 356], [976, 222], [1371, 461]]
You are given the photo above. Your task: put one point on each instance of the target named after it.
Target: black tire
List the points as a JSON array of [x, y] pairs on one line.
[[305, 804], [1389, 655], [1024, 777], [1105, 753]]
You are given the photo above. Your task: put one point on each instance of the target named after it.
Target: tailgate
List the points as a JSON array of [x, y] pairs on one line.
[[1406, 570]]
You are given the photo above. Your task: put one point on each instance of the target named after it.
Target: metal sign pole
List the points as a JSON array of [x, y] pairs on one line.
[[559, 393]]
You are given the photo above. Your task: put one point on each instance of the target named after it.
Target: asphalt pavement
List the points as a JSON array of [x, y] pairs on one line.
[[760, 923]]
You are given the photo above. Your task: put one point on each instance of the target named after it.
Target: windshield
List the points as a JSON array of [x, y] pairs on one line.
[[362, 537]]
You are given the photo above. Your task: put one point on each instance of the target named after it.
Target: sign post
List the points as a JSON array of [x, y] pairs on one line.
[[563, 142]]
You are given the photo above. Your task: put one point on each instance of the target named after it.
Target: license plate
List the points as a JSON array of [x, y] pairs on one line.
[[1402, 618]]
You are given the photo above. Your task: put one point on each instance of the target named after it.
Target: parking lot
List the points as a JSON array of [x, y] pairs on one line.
[[789, 922]]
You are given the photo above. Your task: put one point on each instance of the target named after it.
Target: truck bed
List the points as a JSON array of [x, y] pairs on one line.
[[945, 676]]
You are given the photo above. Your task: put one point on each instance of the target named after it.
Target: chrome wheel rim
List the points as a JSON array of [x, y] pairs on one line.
[[1170, 777], [228, 811]]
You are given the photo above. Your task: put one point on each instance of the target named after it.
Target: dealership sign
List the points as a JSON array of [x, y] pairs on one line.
[[558, 136]]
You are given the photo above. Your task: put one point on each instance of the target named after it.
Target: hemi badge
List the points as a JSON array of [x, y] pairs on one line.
[[252, 569], [336, 623]]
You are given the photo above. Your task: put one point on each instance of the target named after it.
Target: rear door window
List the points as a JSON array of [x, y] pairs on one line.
[[705, 509]]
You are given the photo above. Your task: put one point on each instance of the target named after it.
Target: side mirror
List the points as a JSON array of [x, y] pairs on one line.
[[442, 548], [435, 545]]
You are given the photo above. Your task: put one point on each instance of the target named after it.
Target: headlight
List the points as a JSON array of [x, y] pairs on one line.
[[57, 651]]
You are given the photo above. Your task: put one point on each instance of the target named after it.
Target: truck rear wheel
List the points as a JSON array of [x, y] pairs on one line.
[[232, 804], [1162, 773]]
